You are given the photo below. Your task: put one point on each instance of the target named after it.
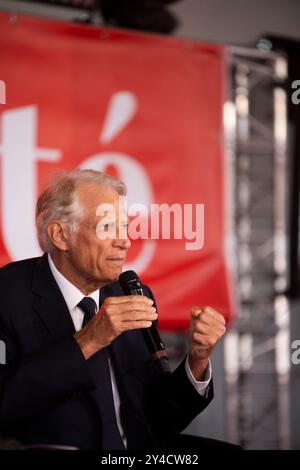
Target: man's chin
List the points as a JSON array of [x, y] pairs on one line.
[[113, 276]]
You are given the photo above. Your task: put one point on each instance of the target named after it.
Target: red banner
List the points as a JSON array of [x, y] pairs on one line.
[[145, 108]]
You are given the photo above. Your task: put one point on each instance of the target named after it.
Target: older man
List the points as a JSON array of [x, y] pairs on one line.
[[78, 372]]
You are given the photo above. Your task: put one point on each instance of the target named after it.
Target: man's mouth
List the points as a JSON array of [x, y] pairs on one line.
[[117, 260]]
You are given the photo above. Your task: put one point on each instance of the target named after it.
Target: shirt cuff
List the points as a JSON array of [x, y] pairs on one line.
[[199, 386]]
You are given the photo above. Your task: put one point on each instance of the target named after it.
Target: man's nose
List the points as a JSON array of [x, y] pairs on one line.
[[125, 244], [122, 242]]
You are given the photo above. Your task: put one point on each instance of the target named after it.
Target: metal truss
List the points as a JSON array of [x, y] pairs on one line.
[[257, 345]]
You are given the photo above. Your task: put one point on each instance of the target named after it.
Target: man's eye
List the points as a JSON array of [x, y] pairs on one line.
[[108, 227]]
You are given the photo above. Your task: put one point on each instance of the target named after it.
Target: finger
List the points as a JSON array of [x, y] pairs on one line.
[[137, 315], [210, 320], [209, 326], [201, 327], [127, 306], [196, 311], [127, 313], [216, 315], [129, 298], [135, 325], [205, 318], [204, 341]]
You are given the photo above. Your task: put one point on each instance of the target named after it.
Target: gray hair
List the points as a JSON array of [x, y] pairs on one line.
[[60, 200]]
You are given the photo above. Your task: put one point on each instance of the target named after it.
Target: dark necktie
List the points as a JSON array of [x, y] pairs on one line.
[[89, 307], [103, 395]]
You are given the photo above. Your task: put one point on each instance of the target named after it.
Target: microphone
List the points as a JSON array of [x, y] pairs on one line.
[[131, 285]]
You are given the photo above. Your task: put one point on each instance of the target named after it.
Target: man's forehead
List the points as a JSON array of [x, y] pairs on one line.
[[98, 202], [93, 194]]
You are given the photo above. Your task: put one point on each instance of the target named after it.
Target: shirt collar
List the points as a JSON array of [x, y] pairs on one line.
[[71, 293]]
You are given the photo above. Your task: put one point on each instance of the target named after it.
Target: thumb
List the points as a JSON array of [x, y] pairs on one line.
[[196, 312]]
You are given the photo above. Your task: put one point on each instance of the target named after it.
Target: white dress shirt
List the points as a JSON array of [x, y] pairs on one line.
[[73, 296]]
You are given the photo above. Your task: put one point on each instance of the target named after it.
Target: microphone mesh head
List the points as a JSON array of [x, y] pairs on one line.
[[128, 276], [130, 283]]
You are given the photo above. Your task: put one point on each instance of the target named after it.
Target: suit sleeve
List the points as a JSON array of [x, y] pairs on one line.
[[33, 386], [172, 399]]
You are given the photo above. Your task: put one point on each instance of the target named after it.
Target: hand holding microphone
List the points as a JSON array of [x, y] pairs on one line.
[[119, 314], [116, 315]]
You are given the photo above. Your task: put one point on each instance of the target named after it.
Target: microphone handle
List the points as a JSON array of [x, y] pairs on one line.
[[153, 340]]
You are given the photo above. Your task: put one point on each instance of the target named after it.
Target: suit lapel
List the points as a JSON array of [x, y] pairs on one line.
[[50, 304]]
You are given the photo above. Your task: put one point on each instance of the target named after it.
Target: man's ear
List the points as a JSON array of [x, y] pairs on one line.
[[59, 234]]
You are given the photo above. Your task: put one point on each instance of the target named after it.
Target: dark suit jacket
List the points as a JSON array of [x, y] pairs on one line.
[[46, 385]]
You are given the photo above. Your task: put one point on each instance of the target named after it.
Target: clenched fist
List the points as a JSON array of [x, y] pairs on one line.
[[207, 327]]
